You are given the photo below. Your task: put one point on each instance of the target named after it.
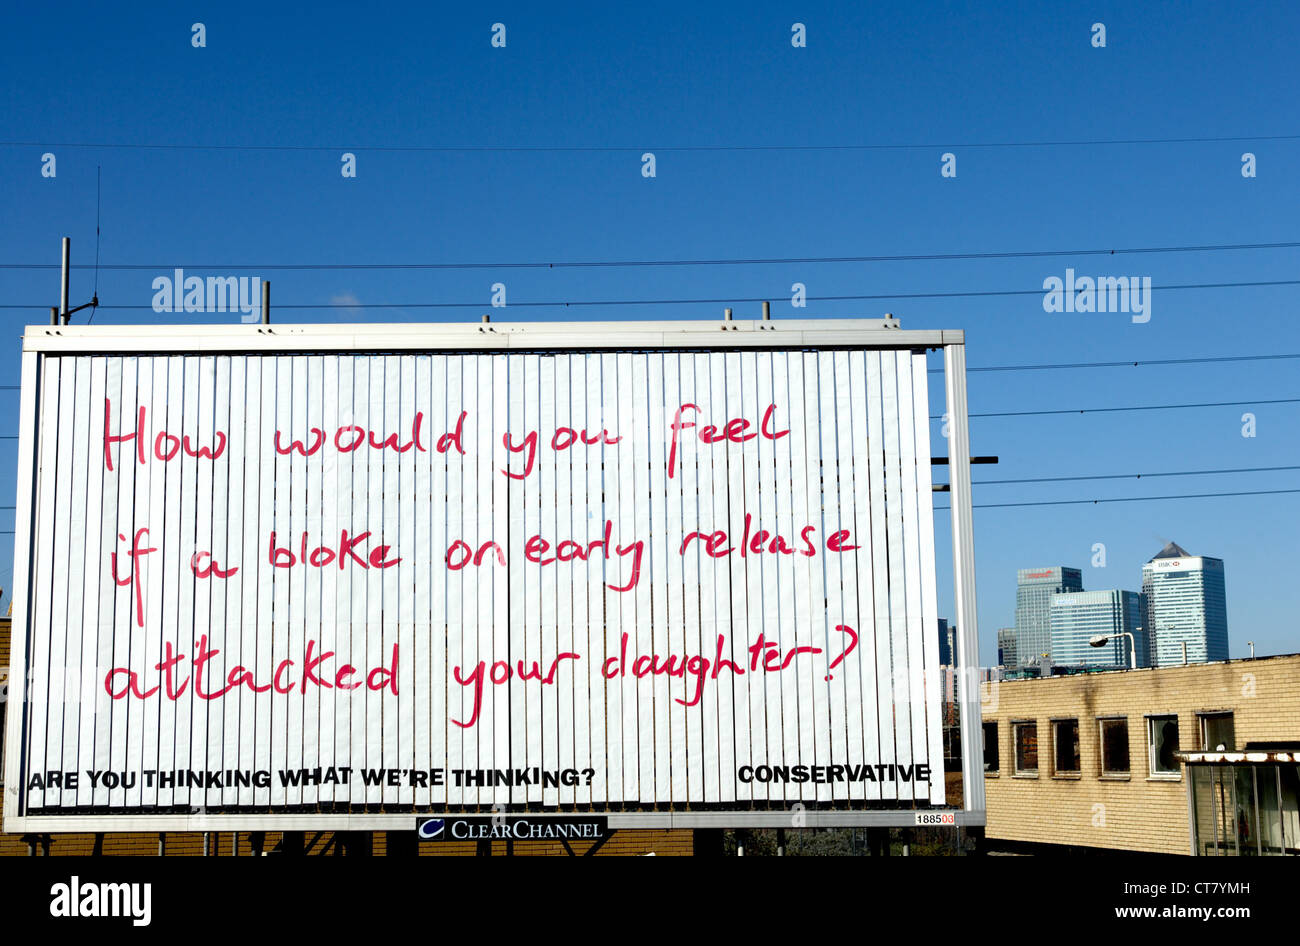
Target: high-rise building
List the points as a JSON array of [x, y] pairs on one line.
[[1078, 616], [1184, 603], [1034, 590], [947, 644], [1007, 648]]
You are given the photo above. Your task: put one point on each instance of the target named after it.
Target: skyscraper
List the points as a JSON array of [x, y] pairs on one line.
[[1184, 603], [1034, 590], [947, 644], [1007, 648], [1078, 616]]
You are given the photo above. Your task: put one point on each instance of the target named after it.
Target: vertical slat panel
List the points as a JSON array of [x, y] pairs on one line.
[[765, 564], [584, 673], [915, 627], [561, 688], [655, 569], [428, 560], [814, 716], [443, 712], [502, 576], [865, 659], [45, 583], [238, 527], [314, 581], [808, 612], [264, 628], [637, 570], [929, 606], [846, 522], [65, 477], [619, 572], [894, 503], [598, 636], [478, 451], [830, 519], [214, 415], [785, 728], [716, 617], [548, 625], [326, 626], [461, 632], [876, 423], [78, 628], [107, 409], [610, 600], [400, 535]]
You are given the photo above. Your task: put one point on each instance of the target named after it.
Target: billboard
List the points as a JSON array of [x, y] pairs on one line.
[[359, 580]]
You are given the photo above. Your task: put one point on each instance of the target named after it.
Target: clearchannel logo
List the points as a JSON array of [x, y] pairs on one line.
[[432, 829]]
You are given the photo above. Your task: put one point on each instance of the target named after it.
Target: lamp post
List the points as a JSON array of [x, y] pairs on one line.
[[1101, 640]]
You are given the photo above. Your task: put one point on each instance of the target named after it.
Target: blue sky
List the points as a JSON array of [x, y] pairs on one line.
[[658, 77]]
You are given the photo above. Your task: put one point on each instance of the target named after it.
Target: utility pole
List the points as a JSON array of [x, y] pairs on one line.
[[63, 315]]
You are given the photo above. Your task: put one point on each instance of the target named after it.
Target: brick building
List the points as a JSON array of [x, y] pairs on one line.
[[1099, 761]]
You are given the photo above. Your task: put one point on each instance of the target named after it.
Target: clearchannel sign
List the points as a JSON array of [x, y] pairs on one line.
[[501, 828]]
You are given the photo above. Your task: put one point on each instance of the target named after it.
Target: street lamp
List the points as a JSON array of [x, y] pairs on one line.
[[1101, 640]]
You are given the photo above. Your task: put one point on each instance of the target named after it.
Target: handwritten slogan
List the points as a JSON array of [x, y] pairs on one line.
[[682, 543]]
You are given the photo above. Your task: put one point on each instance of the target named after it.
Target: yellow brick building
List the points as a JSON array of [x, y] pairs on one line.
[[1091, 760]]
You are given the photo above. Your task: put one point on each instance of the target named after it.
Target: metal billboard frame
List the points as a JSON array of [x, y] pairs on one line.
[[699, 335]]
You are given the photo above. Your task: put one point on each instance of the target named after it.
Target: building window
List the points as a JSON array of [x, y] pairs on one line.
[[1114, 747], [1162, 743], [991, 747], [1217, 732], [1025, 738], [1065, 743]]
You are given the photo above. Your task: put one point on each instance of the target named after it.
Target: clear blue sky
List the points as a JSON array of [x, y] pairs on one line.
[[653, 77]]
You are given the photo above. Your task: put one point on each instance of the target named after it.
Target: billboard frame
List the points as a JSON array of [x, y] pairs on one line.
[[698, 335]]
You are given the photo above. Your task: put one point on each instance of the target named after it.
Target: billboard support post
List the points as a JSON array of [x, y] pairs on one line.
[[963, 577]]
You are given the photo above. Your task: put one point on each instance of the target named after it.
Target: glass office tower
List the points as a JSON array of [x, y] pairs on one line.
[[1007, 648], [1078, 616], [1184, 602], [1035, 588]]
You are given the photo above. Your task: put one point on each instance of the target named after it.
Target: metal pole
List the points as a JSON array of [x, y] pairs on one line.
[[54, 315], [266, 302], [767, 311], [963, 574], [726, 315], [63, 299]]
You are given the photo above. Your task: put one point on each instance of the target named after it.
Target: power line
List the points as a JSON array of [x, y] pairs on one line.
[[1126, 476], [1128, 364], [1078, 364], [1111, 410], [754, 261], [731, 300], [1126, 499], [670, 149], [1064, 479]]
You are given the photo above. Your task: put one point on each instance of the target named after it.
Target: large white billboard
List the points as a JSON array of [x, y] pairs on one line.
[[415, 581]]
